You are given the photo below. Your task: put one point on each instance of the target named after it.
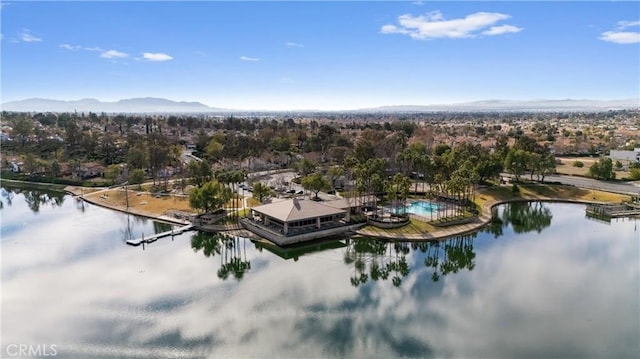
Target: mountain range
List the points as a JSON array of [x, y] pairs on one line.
[[160, 105], [512, 106], [132, 105]]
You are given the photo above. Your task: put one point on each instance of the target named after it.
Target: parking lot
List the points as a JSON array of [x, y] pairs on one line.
[[281, 183]]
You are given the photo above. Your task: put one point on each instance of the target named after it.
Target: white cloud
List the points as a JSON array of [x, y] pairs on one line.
[[621, 37], [419, 3], [499, 30], [392, 29], [113, 54], [157, 57], [433, 25], [294, 44], [624, 24], [108, 54], [26, 36], [245, 58], [70, 47]]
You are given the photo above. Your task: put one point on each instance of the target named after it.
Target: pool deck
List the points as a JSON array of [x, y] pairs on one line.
[[476, 223]]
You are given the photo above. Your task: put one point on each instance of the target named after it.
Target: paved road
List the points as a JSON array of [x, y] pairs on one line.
[[187, 157], [582, 182]]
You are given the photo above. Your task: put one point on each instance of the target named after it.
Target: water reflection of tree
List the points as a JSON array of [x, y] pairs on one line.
[[365, 252], [80, 204], [374, 259], [159, 227], [523, 217], [8, 195], [134, 221], [496, 225], [35, 198], [449, 256], [231, 250]]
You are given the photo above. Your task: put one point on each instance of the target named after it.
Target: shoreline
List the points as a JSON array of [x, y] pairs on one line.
[[88, 197], [476, 224], [457, 230], [37, 185]]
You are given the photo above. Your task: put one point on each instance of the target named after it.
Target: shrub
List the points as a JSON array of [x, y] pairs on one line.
[[618, 165], [578, 164]]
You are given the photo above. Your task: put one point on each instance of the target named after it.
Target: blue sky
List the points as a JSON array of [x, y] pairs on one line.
[[320, 55]]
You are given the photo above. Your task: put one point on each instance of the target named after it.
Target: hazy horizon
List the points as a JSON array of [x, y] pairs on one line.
[[152, 104]]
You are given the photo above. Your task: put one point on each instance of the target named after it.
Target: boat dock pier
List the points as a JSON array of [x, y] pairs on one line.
[[154, 237], [613, 210]]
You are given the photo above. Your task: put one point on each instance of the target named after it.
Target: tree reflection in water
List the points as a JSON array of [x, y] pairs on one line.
[[450, 256], [35, 198], [522, 216], [8, 195], [159, 227], [374, 259], [231, 250]]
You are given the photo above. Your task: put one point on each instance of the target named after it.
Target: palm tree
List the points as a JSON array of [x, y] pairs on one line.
[[230, 179], [427, 169], [239, 177], [398, 190]]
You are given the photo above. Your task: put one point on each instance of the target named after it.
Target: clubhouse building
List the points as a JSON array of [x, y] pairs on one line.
[[295, 220]]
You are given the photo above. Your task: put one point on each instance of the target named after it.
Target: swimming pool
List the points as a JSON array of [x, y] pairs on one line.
[[422, 208]]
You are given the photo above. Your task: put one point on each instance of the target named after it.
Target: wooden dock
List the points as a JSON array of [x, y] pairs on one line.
[[613, 210], [154, 237]]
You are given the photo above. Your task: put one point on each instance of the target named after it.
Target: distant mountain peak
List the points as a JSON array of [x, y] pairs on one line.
[[132, 105], [516, 105]]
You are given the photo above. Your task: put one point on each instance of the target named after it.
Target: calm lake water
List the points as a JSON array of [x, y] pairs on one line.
[[541, 282]]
